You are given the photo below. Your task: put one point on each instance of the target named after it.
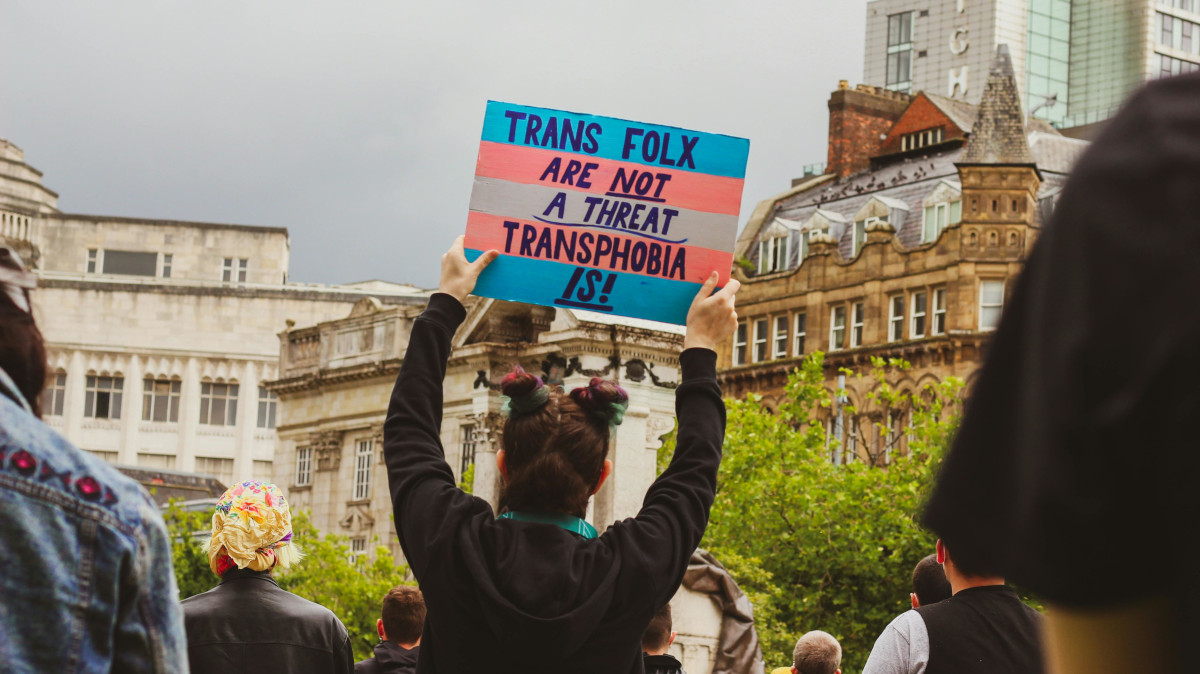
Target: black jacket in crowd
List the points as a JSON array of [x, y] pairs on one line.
[[248, 621], [389, 658], [662, 664], [517, 596], [983, 630]]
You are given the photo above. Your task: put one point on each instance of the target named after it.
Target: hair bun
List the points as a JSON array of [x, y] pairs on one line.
[[602, 399], [526, 392]]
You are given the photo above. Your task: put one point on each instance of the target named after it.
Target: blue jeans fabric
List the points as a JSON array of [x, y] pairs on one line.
[[87, 583]]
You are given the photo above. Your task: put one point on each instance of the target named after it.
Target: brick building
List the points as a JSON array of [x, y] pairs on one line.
[[905, 247]]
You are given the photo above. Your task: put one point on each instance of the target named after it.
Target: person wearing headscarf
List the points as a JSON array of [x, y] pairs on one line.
[[247, 618]]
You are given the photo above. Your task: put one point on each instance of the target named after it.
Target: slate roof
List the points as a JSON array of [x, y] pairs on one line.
[[998, 136], [960, 112]]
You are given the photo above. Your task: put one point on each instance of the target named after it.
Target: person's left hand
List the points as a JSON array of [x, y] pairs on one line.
[[458, 275]]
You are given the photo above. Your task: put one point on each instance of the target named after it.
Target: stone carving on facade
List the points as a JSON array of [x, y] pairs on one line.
[[327, 448], [377, 439], [358, 519], [656, 428]]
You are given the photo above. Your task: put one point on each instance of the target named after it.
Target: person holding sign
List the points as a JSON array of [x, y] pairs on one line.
[[537, 589]]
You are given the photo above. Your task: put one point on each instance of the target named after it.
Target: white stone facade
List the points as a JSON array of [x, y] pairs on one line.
[[124, 303]]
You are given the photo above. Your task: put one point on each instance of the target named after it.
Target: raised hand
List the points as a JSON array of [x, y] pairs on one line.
[[458, 275], [712, 317]]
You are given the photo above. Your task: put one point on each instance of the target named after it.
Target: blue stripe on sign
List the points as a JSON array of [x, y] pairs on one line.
[[715, 154], [543, 282]]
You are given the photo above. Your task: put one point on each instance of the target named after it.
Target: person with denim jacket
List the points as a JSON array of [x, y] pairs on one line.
[[87, 584]]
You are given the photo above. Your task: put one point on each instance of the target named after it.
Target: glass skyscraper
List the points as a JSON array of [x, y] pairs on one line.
[[1076, 60]]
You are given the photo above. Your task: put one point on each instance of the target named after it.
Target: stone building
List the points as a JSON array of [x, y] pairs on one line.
[[905, 248], [161, 333], [336, 377]]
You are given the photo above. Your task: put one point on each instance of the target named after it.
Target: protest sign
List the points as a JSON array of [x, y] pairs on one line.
[[602, 214]]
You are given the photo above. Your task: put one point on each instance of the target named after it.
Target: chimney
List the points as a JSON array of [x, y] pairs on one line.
[[859, 119]]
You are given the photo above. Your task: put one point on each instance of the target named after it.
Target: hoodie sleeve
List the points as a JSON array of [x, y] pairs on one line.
[[675, 512], [424, 496]]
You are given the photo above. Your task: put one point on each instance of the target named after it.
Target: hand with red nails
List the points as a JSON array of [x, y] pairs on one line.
[[712, 318], [458, 275]]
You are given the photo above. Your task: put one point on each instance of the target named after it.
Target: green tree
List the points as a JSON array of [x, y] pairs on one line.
[[817, 545], [352, 586]]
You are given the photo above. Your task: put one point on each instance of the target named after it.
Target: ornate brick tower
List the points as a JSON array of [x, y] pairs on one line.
[[1000, 180]]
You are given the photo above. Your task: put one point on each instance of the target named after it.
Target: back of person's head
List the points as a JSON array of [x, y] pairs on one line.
[[22, 349], [968, 563], [657, 637], [555, 443], [251, 529], [817, 652], [929, 581], [403, 614]]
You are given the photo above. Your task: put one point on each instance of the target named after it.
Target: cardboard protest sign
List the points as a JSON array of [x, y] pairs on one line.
[[600, 213]]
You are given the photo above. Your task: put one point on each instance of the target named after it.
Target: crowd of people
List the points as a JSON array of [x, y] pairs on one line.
[[1045, 483]]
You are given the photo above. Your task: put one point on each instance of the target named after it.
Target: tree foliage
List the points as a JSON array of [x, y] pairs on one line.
[[352, 586], [815, 544]]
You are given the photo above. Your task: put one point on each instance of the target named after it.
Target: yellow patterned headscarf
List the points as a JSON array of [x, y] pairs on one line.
[[251, 528]]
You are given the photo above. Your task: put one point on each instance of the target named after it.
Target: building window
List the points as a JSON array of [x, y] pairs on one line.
[[222, 469], [857, 315], [160, 399], [358, 546], [262, 469], [760, 340], [772, 254], [919, 310], [167, 261], [153, 461], [93, 255], [781, 337], [991, 300], [860, 235], [106, 456], [837, 328], [267, 401], [364, 451], [466, 448], [54, 394], [899, 51], [739, 344], [799, 334], [130, 263], [102, 399], [218, 404], [920, 139], [939, 312], [304, 466], [233, 270], [895, 318], [937, 217]]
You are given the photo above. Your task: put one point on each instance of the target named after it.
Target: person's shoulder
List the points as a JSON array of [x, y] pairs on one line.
[[310, 610], [368, 666], [39, 455], [907, 623]]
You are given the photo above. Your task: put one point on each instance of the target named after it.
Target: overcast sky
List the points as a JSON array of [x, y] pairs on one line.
[[356, 124]]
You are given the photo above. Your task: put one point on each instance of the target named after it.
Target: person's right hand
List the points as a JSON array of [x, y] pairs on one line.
[[712, 318]]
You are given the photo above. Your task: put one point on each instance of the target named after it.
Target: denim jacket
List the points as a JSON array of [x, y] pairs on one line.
[[87, 583]]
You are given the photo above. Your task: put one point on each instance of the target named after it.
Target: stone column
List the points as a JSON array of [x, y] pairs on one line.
[[131, 412], [243, 453], [73, 404], [189, 416]]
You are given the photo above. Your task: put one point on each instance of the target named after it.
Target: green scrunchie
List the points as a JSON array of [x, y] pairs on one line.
[[531, 402]]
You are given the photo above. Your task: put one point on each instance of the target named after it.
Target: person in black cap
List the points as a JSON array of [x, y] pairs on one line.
[[1076, 460]]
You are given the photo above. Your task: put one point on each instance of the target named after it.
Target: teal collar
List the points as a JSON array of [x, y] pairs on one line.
[[568, 522]]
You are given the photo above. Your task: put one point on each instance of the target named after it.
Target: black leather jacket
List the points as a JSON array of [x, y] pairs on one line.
[[248, 621]]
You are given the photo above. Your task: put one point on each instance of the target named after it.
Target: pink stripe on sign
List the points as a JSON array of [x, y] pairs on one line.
[[683, 189], [599, 248]]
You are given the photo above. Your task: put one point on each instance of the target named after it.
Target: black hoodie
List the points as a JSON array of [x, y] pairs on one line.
[[515, 596], [389, 658]]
